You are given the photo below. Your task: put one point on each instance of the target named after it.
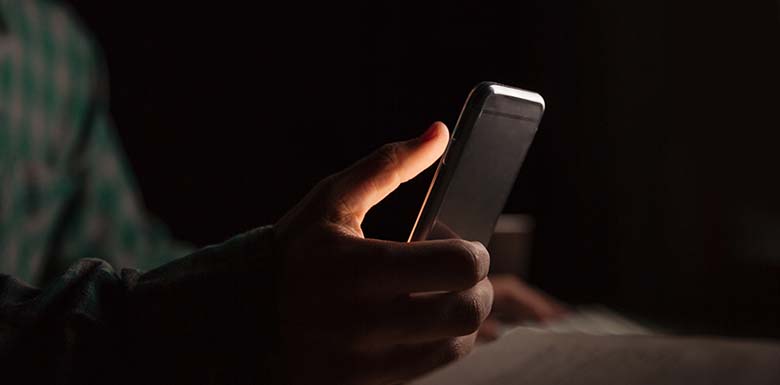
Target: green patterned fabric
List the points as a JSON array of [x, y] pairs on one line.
[[65, 189], [68, 205]]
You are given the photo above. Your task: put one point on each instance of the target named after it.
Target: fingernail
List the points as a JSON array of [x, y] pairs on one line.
[[429, 133]]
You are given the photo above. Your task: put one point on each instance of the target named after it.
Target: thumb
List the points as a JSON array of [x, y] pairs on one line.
[[367, 182]]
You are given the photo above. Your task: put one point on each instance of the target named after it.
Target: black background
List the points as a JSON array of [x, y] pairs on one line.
[[653, 178]]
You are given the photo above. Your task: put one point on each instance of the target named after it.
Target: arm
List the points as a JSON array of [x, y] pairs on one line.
[[311, 301], [205, 317]]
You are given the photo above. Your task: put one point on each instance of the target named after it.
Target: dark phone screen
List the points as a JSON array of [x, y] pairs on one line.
[[477, 174]]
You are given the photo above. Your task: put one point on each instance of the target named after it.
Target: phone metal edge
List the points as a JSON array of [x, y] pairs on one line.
[[496, 89], [518, 93]]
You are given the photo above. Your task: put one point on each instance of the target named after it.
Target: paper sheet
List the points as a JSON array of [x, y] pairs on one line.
[[531, 356]]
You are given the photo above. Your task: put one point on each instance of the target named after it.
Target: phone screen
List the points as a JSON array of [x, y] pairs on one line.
[[477, 173]]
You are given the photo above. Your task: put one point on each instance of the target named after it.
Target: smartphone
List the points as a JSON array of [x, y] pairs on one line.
[[477, 171]]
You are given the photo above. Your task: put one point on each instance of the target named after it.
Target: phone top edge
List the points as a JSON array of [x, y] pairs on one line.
[[500, 89]]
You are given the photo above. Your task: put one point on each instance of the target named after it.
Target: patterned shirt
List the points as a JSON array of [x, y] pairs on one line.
[[65, 189], [68, 199]]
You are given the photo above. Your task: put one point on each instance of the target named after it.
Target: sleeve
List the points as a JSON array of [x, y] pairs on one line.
[[210, 317]]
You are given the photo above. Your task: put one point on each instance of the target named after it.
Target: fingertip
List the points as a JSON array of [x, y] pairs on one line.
[[488, 331], [423, 151], [437, 130], [441, 128]]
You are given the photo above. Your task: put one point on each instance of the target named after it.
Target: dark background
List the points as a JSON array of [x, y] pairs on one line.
[[653, 178]]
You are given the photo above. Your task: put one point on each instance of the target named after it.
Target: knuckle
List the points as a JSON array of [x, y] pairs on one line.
[[328, 195], [382, 253], [474, 261], [467, 313], [454, 349], [387, 155], [327, 186], [328, 182]]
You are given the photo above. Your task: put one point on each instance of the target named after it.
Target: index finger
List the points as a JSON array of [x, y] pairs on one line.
[[393, 268]]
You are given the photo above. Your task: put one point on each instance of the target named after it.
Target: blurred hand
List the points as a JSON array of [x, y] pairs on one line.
[[351, 308], [515, 302]]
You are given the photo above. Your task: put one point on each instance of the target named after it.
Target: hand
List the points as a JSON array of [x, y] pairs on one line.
[[516, 302], [368, 311]]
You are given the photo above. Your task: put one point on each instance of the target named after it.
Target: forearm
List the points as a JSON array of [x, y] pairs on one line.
[[71, 331], [208, 317]]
